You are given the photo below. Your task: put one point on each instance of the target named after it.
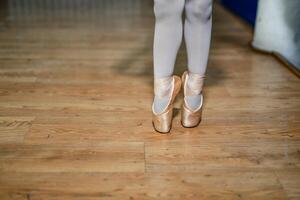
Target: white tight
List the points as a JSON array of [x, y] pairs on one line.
[[169, 31], [168, 37]]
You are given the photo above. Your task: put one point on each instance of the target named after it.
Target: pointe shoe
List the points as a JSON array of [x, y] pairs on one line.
[[190, 118], [162, 122]]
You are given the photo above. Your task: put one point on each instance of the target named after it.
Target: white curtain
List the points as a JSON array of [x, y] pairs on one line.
[[277, 28]]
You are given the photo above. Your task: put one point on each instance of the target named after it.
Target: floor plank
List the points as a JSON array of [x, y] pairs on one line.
[[207, 184], [103, 157], [13, 129], [290, 180]]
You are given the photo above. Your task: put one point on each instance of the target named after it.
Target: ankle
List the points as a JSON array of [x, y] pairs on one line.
[[163, 86], [194, 84]]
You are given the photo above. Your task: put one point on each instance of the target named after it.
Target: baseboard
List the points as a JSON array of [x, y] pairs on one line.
[[280, 58]]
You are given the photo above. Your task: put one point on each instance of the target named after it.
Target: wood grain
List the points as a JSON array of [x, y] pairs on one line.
[[75, 113], [210, 184]]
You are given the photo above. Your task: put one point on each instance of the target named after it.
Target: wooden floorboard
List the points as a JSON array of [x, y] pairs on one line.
[[75, 115], [207, 184]]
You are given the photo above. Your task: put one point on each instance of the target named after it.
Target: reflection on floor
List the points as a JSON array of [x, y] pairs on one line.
[[75, 119]]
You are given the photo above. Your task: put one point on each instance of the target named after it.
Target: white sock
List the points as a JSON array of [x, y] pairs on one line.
[[167, 35], [163, 88], [194, 90]]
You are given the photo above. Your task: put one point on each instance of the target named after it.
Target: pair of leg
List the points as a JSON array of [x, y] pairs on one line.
[[169, 30]]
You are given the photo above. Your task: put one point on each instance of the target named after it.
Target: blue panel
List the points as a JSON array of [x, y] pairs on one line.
[[244, 8]]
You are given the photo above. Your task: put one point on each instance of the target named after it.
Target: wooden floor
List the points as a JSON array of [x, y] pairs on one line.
[[75, 118]]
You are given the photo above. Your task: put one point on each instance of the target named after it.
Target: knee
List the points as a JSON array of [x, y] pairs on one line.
[[199, 10], [168, 8]]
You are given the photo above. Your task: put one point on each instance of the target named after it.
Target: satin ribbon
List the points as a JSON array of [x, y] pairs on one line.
[[194, 84], [163, 86]]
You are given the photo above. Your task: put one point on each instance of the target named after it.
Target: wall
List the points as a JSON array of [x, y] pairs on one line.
[[244, 8]]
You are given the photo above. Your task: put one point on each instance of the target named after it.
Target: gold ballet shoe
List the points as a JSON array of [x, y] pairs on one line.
[[162, 122], [191, 118]]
